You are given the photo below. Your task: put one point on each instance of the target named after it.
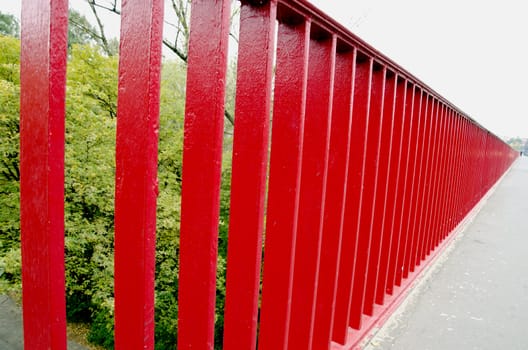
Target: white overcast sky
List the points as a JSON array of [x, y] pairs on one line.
[[474, 53]]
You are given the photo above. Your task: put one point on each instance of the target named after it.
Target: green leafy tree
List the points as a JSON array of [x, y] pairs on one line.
[[89, 189], [168, 212], [516, 143], [177, 41], [9, 25], [9, 169], [82, 32], [91, 108]]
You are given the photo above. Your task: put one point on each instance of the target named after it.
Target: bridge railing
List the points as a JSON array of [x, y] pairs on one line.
[[366, 175]]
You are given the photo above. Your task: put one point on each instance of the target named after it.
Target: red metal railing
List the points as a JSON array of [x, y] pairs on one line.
[[370, 173]]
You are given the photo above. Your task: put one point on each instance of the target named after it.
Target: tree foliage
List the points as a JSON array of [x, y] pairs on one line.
[[9, 25], [91, 110], [9, 170], [516, 142], [80, 31], [177, 40], [91, 100]]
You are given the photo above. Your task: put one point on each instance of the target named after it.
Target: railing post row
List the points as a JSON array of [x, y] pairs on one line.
[[369, 174]]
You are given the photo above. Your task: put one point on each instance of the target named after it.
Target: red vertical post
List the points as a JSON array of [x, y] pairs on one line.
[[438, 167], [425, 180], [368, 195], [249, 170], [448, 123], [42, 111], [482, 162], [383, 177], [448, 191], [458, 178], [426, 225], [410, 180], [401, 187], [136, 173], [448, 173], [391, 236], [465, 181], [202, 159], [284, 183], [477, 146], [417, 185], [456, 164], [314, 170], [477, 149], [487, 166], [362, 83], [471, 167], [448, 187], [485, 162], [336, 186]]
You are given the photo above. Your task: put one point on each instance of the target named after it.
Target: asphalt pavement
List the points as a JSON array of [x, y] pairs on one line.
[[11, 327]]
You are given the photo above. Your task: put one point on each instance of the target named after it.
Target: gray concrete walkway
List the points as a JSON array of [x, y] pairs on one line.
[[11, 327], [476, 295]]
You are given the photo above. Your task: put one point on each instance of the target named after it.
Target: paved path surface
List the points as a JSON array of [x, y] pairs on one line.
[[11, 327], [476, 295]]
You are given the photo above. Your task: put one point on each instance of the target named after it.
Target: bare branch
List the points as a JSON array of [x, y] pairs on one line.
[[234, 37], [86, 29], [175, 49], [229, 117], [111, 9], [104, 42], [181, 9]]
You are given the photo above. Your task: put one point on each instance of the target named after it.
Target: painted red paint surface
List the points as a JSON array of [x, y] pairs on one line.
[[370, 173], [284, 183], [410, 182], [42, 112], [312, 196], [434, 159], [249, 171], [336, 187], [362, 82], [391, 236], [136, 186], [202, 160], [422, 185], [416, 187], [368, 192], [382, 182], [400, 207]]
